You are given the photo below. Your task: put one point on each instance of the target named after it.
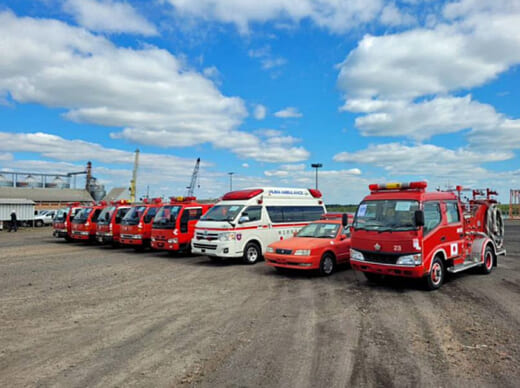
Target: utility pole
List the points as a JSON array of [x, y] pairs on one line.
[[133, 182], [316, 166], [230, 181]]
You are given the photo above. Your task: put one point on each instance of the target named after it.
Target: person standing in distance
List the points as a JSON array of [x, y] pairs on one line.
[[14, 222]]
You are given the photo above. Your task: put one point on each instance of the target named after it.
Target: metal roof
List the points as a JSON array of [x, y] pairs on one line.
[[46, 195], [15, 201], [115, 194]]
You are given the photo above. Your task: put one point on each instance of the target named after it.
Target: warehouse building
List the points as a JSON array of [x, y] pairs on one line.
[[47, 198]]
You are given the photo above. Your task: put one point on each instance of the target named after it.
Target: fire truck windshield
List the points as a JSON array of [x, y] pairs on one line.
[[222, 213], [106, 215], [134, 215], [386, 215], [166, 217], [82, 216], [61, 215]]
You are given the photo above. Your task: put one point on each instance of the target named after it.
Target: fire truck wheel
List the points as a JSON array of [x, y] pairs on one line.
[[436, 276], [327, 265], [252, 253], [487, 267], [373, 277], [68, 239]]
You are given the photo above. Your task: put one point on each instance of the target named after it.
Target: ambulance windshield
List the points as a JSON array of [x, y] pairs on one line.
[[386, 215], [222, 213]]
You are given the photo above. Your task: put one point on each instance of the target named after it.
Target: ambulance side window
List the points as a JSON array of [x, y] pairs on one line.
[[432, 216], [452, 212], [254, 213]]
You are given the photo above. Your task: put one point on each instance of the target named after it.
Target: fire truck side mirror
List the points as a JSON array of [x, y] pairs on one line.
[[419, 218]]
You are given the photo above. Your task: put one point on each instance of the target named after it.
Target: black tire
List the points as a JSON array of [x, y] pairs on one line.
[[489, 260], [327, 265], [435, 277], [252, 253], [38, 223], [68, 238], [373, 277]]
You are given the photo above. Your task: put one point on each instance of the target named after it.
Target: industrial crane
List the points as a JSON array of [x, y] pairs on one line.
[[194, 176], [133, 182]]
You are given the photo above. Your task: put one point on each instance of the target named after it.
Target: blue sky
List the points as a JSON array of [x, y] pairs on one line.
[[375, 90]]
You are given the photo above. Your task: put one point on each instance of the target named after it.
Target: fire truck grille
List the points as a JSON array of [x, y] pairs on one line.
[[283, 251], [382, 258], [204, 246]]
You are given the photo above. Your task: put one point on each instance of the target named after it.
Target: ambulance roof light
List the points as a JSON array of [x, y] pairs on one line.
[[242, 194], [315, 193]]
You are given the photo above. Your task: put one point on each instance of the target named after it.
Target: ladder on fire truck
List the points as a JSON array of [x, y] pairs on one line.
[[194, 176]]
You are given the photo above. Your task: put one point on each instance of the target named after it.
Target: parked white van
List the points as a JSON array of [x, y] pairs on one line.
[[245, 222]]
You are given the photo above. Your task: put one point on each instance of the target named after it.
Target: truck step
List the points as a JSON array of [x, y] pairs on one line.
[[464, 266], [502, 252]]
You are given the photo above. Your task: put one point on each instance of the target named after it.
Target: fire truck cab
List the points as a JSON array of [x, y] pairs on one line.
[[174, 225], [136, 226], [84, 223], [109, 222], [62, 224], [402, 230]]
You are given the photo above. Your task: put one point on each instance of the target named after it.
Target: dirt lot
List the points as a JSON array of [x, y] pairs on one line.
[[79, 315]]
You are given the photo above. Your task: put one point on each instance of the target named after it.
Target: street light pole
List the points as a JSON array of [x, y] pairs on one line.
[[316, 166], [230, 181]]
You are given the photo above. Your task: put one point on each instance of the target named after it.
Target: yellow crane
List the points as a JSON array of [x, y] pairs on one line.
[[133, 182]]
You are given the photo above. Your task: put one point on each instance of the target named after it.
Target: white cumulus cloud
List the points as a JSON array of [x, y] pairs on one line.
[[289, 112]]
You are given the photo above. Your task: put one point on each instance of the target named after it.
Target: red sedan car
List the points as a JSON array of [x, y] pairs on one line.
[[321, 245]]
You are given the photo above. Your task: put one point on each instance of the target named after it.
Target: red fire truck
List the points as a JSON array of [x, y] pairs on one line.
[[85, 221], [136, 226], [109, 222], [402, 230], [174, 225], [62, 225]]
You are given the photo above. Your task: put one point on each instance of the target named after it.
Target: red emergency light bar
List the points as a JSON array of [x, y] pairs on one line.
[[315, 193], [182, 199], [156, 200], [242, 194], [399, 186]]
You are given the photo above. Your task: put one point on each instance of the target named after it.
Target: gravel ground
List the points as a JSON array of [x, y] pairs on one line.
[[79, 315]]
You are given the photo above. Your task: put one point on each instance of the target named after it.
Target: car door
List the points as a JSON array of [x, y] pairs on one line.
[[433, 231], [454, 232], [342, 246]]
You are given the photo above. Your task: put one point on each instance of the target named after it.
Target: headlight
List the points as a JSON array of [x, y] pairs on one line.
[[270, 250], [302, 252], [356, 255], [226, 236], [173, 241], [410, 259], [153, 239]]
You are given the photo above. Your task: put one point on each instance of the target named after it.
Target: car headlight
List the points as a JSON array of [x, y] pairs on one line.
[[226, 236], [302, 252], [173, 241], [356, 255], [415, 259], [270, 250]]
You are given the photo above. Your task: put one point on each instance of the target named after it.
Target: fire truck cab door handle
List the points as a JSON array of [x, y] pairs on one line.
[[443, 238]]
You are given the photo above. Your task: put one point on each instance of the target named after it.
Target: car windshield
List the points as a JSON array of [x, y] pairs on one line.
[[61, 215], [106, 215], [82, 216], [134, 215], [386, 215], [222, 213], [319, 230], [166, 217]]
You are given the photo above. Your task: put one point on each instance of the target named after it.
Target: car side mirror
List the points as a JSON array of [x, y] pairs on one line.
[[419, 218], [118, 220], [343, 237], [344, 220], [244, 218]]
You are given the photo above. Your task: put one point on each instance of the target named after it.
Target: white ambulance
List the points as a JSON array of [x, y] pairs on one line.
[[245, 222]]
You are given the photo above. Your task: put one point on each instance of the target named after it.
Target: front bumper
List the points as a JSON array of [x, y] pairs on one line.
[[215, 248], [104, 238], [131, 239], [388, 269], [164, 245], [291, 261], [60, 233], [80, 235]]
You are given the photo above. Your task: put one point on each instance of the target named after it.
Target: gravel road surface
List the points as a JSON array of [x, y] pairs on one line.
[[75, 315]]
